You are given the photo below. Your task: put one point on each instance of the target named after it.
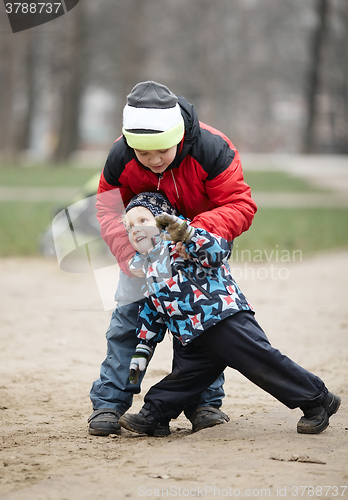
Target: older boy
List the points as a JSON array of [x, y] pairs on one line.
[[199, 302], [163, 148]]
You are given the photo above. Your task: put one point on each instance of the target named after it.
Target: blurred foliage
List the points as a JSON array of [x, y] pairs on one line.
[[246, 66]]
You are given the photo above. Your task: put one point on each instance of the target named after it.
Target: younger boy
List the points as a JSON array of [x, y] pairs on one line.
[[196, 298]]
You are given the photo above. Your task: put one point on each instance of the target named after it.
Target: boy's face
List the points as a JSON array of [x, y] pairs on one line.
[[156, 160], [141, 227]]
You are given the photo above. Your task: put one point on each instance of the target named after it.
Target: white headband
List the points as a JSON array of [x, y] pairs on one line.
[[161, 119]]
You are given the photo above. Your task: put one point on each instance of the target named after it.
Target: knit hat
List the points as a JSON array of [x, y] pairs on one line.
[[152, 118], [155, 202]]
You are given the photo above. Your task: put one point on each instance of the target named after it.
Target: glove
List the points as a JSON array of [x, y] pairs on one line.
[[139, 362], [178, 229]]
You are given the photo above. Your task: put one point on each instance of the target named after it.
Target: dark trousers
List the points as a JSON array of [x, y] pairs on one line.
[[238, 342]]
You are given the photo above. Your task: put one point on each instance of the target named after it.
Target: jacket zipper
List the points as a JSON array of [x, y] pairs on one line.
[[160, 177], [176, 189], [194, 282]]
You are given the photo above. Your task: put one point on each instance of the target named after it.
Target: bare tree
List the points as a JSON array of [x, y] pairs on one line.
[[72, 85], [242, 64], [314, 73], [17, 96], [29, 41], [342, 49], [9, 50]]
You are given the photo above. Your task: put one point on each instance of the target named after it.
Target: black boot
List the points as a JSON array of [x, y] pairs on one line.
[[144, 423], [104, 422], [315, 420], [207, 416]]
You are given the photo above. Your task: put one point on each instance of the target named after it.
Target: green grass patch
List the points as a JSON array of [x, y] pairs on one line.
[[272, 232], [46, 176], [58, 176], [278, 181], [307, 230], [20, 226]]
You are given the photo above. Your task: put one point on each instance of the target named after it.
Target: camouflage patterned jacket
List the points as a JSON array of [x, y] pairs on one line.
[[186, 296]]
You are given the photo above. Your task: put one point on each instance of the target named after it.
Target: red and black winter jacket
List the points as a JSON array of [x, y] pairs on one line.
[[204, 183]]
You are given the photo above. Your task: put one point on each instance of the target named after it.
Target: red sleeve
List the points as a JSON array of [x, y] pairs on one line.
[[110, 204], [235, 208]]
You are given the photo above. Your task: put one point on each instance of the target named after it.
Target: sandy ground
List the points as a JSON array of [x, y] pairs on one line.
[[52, 343]]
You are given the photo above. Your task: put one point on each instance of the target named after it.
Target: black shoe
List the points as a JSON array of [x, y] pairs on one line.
[[315, 420], [104, 422], [144, 423], [207, 416]]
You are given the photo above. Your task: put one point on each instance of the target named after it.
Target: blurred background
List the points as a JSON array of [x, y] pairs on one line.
[[272, 75]]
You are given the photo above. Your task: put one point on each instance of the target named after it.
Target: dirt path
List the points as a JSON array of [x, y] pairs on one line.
[[52, 343]]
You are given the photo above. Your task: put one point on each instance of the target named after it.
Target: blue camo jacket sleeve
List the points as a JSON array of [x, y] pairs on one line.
[[151, 328], [207, 250]]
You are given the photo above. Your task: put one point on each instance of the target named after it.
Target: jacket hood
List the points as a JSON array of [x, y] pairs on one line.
[[191, 129]]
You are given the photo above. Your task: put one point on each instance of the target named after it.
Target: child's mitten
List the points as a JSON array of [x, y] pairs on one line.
[[178, 229], [139, 362]]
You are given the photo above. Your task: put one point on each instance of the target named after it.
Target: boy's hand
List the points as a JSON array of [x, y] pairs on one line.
[[178, 229], [139, 362]]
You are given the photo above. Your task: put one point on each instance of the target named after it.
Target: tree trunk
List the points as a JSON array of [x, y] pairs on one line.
[[29, 70], [345, 80], [314, 73], [7, 81], [72, 88], [132, 53]]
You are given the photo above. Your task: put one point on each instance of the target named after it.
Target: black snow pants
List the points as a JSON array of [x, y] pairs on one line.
[[240, 343]]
